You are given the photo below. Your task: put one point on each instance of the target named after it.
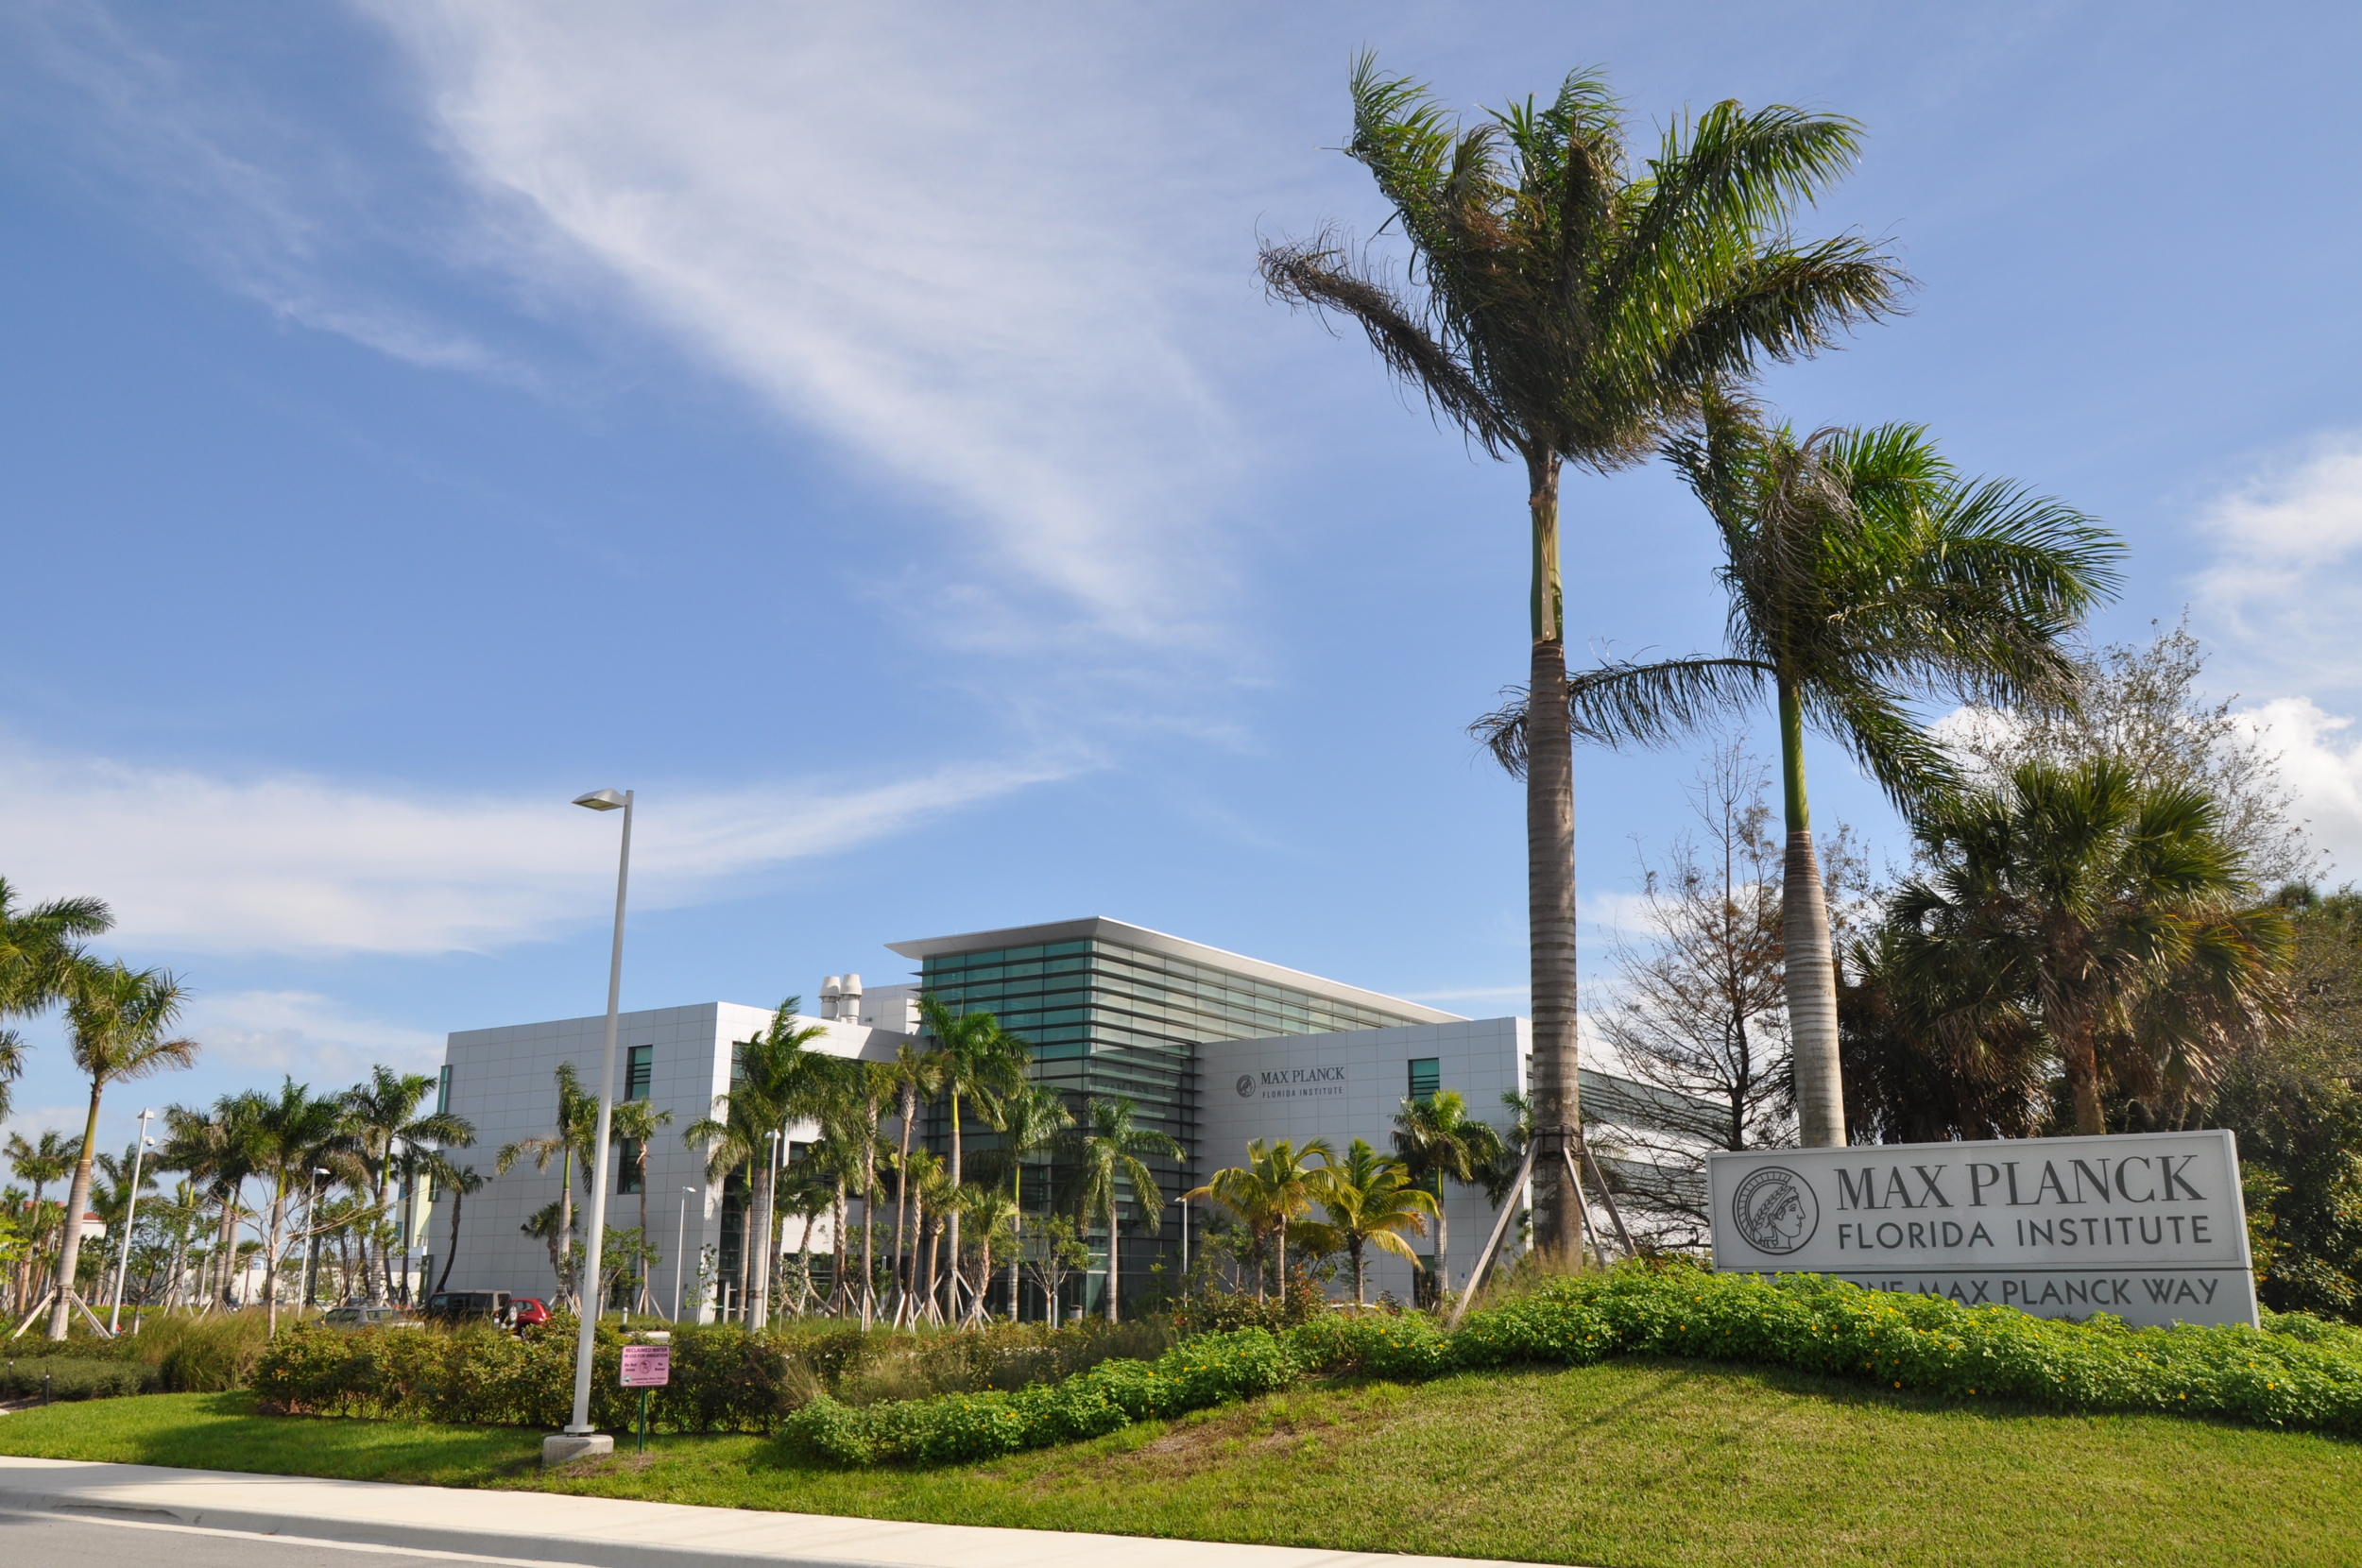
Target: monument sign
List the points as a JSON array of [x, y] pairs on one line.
[[2147, 1226]]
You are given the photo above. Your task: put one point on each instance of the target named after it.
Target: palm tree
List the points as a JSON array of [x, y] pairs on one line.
[[913, 1075], [1570, 309], [118, 1023], [992, 1218], [293, 1135], [1029, 1121], [975, 1057], [382, 1117], [1437, 1142], [39, 1164], [1862, 570], [577, 1133], [1267, 1193], [215, 1149], [1109, 1148], [2103, 917], [1372, 1201], [460, 1181], [39, 960], [634, 1124], [773, 1080]]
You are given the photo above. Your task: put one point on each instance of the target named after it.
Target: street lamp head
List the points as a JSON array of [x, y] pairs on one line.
[[602, 800], [321, 1170]]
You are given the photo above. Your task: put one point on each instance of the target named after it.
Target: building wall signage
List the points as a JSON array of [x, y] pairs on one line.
[[1321, 1082], [2149, 1227]]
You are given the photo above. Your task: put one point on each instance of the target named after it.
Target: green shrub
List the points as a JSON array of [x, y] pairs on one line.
[[193, 1354], [955, 1427], [2296, 1373], [76, 1378]]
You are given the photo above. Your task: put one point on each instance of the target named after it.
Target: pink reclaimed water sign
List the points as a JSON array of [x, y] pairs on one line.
[[648, 1365]]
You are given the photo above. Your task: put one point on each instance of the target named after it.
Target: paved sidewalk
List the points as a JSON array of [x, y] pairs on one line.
[[600, 1531]]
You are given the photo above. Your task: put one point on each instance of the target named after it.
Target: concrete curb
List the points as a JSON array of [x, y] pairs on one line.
[[601, 1532]]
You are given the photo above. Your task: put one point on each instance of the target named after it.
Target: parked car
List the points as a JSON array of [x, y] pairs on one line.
[[525, 1311], [369, 1317], [461, 1306]]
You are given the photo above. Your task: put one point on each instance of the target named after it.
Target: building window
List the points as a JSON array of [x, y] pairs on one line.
[[1427, 1076], [627, 1167], [638, 1072], [442, 1091]]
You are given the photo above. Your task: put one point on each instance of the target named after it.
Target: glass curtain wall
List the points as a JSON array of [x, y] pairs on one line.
[[1106, 1020]]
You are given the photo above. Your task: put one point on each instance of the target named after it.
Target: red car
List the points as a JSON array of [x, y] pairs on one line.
[[525, 1311]]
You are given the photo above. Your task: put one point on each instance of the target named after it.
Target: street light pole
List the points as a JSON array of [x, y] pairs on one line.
[[573, 1443], [680, 1241], [131, 1212]]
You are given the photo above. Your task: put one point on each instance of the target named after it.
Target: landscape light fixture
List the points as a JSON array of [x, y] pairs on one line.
[[579, 1439]]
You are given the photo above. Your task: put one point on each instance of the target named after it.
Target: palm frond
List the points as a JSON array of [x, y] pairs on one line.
[[1626, 704]]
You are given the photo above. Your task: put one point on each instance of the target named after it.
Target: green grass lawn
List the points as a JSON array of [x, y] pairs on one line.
[[1626, 1463]]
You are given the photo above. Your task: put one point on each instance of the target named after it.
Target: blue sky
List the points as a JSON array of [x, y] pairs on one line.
[[860, 429]]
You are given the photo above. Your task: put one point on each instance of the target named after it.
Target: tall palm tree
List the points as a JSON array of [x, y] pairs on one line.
[[1372, 1201], [460, 1181], [293, 1133], [992, 1219], [118, 1025], [383, 1116], [634, 1124], [39, 960], [216, 1149], [1266, 1194], [1109, 1148], [774, 1078], [576, 1132], [976, 1058], [1567, 308], [2107, 918], [38, 1163], [1437, 1142], [913, 1075], [1862, 572], [1028, 1120]]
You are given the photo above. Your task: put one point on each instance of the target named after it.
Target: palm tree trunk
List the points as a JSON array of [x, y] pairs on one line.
[[1282, 1233], [759, 1312], [1811, 966], [1360, 1279], [2082, 1070], [563, 1252], [1443, 1242], [1114, 1262], [646, 1302], [457, 1197], [271, 1255], [901, 1200], [1017, 1250], [951, 1216], [1549, 868], [70, 1225], [869, 1211]]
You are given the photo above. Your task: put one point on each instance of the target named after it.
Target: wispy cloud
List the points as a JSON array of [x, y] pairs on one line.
[[2276, 584], [297, 863], [942, 236], [306, 1035]]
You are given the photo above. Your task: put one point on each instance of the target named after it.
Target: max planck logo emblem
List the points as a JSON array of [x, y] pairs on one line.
[[1775, 1209], [1246, 1086]]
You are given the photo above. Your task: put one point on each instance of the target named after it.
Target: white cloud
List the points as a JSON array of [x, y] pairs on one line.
[[2325, 773], [2279, 538], [945, 236], [296, 864], [306, 1035]]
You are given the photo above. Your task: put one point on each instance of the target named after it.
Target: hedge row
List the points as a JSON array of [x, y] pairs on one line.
[[724, 1379], [2304, 1375], [75, 1377], [1206, 1370]]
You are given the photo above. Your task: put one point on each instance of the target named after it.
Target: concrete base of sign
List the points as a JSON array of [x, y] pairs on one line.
[[566, 1447]]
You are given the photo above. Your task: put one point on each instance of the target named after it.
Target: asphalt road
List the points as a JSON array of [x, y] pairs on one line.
[[58, 1543]]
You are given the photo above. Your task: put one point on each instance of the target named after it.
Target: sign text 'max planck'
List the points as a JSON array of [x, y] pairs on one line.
[[2149, 1227]]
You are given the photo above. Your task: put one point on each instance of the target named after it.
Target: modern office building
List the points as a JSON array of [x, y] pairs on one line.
[[1212, 1047]]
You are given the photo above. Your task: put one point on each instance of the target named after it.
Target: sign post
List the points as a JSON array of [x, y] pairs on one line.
[[2148, 1226], [646, 1367]]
